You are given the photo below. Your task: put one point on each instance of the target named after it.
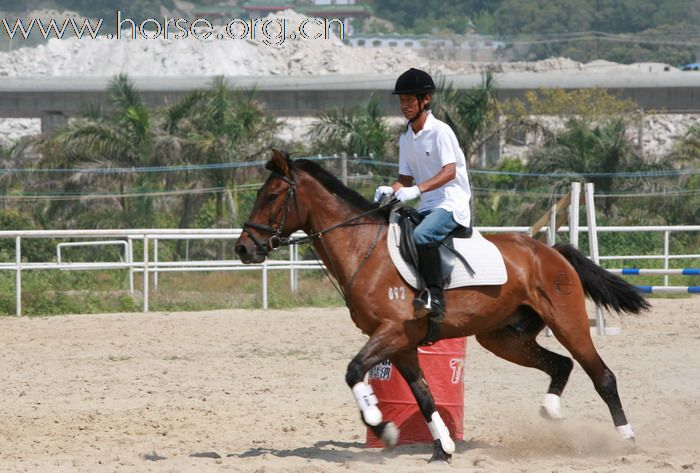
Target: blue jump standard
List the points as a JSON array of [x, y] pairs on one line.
[[683, 272], [652, 289]]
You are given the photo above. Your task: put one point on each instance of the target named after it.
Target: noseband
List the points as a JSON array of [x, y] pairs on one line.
[[276, 239]]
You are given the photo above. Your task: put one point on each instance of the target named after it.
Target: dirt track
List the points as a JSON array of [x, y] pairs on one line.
[[264, 391]]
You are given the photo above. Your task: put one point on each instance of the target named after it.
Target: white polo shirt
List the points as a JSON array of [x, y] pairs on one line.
[[422, 155]]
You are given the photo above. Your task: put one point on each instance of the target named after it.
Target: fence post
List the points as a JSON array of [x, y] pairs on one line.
[[18, 277], [552, 229], [130, 260], [593, 243], [344, 168], [145, 273], [666, 251], [292, 270], [574, 213], [264, 285], [155, 264]]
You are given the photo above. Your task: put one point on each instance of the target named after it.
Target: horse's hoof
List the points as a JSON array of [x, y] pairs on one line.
[[439, 455], [544, 413], [390, 435], [625, 432], [551, 407]]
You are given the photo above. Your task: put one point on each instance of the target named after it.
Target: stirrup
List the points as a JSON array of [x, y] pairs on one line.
[[426, 306]]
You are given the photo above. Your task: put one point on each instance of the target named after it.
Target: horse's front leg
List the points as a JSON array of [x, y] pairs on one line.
[[381, 346], [408, 366]]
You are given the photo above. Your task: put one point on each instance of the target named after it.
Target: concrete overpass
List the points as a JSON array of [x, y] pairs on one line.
[[54, 99]]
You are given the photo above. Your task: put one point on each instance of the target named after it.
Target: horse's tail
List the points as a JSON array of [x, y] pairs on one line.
[[603, 287]]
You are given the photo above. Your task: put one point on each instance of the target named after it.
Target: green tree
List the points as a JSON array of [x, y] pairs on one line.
[[591, 148], [615, 30], [413, 16], [518, 17], [362, 130], [8, 160], [121, 139], [217, 127], [472, 114], [684, 207]]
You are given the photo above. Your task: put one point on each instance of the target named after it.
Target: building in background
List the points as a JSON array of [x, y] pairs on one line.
[[471, 47]]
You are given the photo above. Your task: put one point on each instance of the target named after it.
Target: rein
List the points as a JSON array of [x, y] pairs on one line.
[[276, 240], [319, 234]]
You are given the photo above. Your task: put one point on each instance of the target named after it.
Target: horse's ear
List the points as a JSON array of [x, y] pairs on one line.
[[279, 163]]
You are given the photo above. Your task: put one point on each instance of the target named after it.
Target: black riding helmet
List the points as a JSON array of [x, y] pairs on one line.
[[414, 81]]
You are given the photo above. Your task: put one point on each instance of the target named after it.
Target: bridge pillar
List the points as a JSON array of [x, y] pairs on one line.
[[52, 119]]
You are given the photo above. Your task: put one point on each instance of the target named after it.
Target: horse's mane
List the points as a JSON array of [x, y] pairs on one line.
[[333, 185]]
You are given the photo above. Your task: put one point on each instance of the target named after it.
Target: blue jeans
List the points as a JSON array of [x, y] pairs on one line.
[[435, 227]]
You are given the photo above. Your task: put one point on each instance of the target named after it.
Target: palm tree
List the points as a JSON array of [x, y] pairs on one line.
[[683, 208], [588, 148], [218, 126], [7, 161], [221, 126], [120, 139], [472, 114], [361, 130]]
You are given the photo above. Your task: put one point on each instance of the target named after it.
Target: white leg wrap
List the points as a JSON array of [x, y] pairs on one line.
[[439, 431], [625, 431], [551, 406], [367, 402]]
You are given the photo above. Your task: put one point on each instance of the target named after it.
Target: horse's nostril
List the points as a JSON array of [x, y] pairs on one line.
[[240, 250]]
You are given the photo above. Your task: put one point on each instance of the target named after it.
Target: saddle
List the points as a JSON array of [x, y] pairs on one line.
[[408, 219], [483, 255], [484, 268]]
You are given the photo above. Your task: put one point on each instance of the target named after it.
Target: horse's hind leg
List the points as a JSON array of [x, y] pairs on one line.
[[408, 366], [521, 347], [574, 334]]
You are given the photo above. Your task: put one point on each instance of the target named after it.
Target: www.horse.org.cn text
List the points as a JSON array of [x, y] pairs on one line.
[[269, 31]]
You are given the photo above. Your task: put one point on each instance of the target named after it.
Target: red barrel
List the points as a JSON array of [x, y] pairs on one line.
[[443, 367]]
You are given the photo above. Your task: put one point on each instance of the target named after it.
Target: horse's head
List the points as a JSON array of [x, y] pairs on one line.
[[275, 214]]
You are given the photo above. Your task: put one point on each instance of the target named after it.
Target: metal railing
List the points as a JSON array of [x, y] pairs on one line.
[[150, 266]]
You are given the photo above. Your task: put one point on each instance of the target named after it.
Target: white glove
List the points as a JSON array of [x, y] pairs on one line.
[[407, 193], [382, 191]]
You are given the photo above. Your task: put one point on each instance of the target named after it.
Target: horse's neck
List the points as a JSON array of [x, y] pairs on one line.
[[343, 248]]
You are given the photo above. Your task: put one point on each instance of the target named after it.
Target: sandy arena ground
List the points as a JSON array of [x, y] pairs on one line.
[[261, 391]]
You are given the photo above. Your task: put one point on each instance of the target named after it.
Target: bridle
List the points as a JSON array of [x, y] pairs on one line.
[[276, 240]]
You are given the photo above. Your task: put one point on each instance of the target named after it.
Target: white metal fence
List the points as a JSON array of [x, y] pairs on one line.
[[150, 266]]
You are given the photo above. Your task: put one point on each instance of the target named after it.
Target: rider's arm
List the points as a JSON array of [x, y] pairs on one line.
[[402, 181], [446, 174]]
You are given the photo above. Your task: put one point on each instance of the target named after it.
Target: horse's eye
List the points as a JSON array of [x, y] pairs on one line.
[[272, 197]]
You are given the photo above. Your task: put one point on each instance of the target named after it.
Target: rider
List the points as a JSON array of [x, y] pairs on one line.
[[429, 154]]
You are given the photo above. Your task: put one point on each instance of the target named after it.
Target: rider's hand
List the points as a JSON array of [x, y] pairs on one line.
[[407, 193], [382, 191]]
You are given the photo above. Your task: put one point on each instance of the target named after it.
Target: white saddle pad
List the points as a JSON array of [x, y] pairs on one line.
[[482, 255]]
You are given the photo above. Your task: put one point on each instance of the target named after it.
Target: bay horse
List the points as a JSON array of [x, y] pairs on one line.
[[546, 287]]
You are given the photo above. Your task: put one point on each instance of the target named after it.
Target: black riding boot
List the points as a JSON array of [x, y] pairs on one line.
[[430, 302]]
